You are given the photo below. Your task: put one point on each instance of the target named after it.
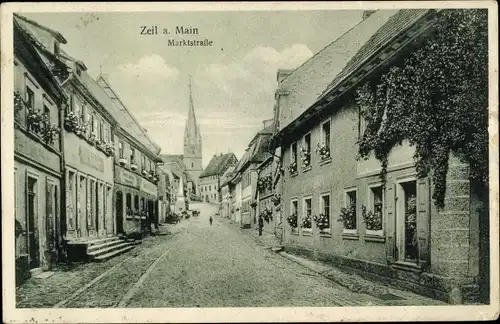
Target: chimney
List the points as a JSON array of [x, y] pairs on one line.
[[367, 13], [282, 74]]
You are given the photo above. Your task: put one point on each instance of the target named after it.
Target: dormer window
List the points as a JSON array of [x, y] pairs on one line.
[[56, 48]]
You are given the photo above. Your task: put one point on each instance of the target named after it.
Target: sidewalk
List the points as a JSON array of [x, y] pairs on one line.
[[353, 282]]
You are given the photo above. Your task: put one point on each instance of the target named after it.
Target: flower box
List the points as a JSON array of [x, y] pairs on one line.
[[323, 151], [144, 172], [109, 149], [133, 166], [347, 215], [305, 222], [292, 168], [322, 221], [122, 161], [305, 158], [373, 220], [292, 220]]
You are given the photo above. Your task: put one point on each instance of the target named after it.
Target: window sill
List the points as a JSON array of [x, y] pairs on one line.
[[295, 232], [408, 266], [325, 233], [325, 161], [307, 232], [350, 235], [292, 175], [306, 169], [374, 237]]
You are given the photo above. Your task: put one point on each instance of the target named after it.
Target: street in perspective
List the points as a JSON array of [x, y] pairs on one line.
[[161, 161]]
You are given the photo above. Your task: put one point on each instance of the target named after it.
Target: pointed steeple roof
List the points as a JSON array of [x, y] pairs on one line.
[[191, 131]]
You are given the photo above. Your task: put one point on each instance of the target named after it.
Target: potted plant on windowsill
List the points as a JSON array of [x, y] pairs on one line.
[[292, 168], [19, 104], [253, 204], [305, 158], [323, 151], [322, 222], [306, 222], [144, 173], [109, 149], [372, 220], [50, 133], [133, 166], [347, 216], [292, 221], [71, 121], [122, 161]]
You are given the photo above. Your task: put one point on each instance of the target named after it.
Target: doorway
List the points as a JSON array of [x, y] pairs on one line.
[[119, 212], [406, 222], [32, 224]]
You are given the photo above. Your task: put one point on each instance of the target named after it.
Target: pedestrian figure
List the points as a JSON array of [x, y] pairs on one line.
[[210, 219], [261, 225]]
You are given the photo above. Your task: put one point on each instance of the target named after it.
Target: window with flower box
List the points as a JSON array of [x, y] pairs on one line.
[[305, 152], [323, 219], [120, 149], [348, 214], [306, 219], [132, 156], [292, 168], [373, 215], [323, 148], [292, 218]]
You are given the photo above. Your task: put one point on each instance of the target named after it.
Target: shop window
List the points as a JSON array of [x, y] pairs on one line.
[[128, 203], [136, 203]]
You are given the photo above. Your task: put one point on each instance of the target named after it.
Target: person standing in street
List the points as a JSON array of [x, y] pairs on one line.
[[261, 225], [210, 219]]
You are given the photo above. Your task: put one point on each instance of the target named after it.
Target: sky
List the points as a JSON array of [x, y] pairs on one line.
[[233, 81]]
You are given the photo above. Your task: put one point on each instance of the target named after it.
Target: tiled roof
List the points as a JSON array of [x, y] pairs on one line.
[[179, 158], [127, 120], [397, 24], [218, 164], [54, 33], [306, 83]]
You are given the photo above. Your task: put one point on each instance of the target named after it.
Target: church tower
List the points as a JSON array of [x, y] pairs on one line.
[[192, 144]]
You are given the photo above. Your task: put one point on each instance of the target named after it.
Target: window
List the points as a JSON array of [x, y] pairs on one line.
[[373, 217], [408, 247], [92, 123], [293, 151], [306, 216], [101, 131], [210, 188], [46, 117], [120, 149], [324, 146], [324, 221], [294, 211], [349, 212], [128, 202], [71, 212], [56, 48], [136, 203], [143, 161], [151, 166], [305, 151], [132, 155], [30, 97], [192, 165]]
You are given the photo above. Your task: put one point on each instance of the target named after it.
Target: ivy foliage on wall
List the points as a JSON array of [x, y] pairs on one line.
[[437, 99]]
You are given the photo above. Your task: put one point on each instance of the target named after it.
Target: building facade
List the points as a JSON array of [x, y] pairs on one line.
[[266, 207], [339, 210], [210, 178], [135, 168], [39, 103]]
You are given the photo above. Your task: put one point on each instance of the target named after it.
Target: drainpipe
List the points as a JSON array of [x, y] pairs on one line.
[[62, 215]]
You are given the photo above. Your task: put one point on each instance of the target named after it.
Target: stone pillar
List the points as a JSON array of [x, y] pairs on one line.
[[451, 232]]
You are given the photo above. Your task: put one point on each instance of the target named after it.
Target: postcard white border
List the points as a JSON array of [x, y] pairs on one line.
[[190, 315]]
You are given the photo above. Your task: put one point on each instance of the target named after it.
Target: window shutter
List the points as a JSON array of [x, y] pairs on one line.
[[423, 213], [390, 219]]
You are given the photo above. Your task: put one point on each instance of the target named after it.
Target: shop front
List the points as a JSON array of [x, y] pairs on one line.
[[136, 203], [89, 187]]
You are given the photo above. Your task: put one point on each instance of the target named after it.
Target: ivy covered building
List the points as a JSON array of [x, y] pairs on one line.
[[385, 214]]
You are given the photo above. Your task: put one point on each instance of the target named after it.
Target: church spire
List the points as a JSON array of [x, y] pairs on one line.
[[191, 131]]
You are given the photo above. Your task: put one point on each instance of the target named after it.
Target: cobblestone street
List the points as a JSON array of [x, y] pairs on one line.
[[196, 265]]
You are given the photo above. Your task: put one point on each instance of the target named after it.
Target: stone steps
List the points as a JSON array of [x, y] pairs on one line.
[[107, 256]]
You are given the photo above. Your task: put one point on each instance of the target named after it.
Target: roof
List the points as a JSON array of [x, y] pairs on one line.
[[58, 36], [169, 158], [218, 164], [306, 83], [127, 120], [397, 24]]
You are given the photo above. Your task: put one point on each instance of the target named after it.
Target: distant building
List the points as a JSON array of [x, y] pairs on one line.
[[210, 178], [245, 176], [191, 159]]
